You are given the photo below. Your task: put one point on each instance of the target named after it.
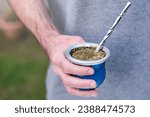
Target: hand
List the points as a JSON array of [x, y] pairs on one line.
[[62, 67]]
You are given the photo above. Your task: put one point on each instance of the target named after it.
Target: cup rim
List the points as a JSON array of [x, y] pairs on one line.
[[86, 63]]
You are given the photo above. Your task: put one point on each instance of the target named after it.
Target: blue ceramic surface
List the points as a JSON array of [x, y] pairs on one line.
[[98, 76]]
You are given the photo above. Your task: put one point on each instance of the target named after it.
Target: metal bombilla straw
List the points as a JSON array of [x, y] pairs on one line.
[[113, 26]]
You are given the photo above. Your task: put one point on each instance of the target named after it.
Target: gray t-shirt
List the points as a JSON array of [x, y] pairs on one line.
[[128, 68]]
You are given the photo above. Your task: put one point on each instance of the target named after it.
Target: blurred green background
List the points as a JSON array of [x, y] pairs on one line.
[[23, 63], [22, 68]]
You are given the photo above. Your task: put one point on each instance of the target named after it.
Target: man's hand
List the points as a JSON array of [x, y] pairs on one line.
[[35, 16], [63, 68]]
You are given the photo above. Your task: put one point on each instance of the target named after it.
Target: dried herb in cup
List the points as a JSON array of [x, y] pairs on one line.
[[87, 53]]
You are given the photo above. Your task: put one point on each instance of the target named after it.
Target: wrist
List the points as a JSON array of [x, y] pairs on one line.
[[48, 40]]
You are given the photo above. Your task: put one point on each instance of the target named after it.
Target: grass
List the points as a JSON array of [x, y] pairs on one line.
[[23, 66]]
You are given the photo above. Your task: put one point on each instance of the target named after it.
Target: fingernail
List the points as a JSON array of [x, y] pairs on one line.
[[90, 71], [93, 84]]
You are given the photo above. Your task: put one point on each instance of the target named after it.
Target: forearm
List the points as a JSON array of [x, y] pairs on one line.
[[35, 16]]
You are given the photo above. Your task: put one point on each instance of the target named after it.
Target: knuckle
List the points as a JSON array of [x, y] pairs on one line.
[[65, 70], [60, 64], [79, 39], [79, 71], [70, 91], [53, 60], [75, 70], [65, 81]]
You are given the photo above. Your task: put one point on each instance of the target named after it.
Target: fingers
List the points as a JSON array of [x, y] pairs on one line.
[[63, 68], [58, 58], [91, 93], [74, 81], [78, 82], [70, 68], [73, 84]]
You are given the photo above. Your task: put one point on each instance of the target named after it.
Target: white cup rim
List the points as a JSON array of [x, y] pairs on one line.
[[86, 63]]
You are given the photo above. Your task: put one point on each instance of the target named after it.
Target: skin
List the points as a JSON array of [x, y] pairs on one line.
[[35, 16]]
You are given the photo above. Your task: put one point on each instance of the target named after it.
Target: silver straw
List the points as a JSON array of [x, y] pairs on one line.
[[113, 26]]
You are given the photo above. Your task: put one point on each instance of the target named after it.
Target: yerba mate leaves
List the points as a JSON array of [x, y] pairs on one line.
[[87, 53]]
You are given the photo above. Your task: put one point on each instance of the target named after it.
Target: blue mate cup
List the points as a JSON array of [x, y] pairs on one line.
[[97, 65]]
